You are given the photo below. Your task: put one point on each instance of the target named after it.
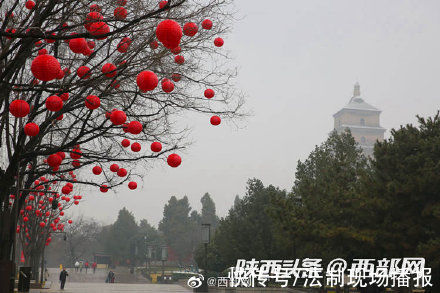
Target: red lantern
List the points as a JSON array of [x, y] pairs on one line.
[[209, 93], [95, 7], [134, 127], [42, 52], [207, 24], [135, 147], [190, 29], [62, 155], [147, 81], [162, 4], [118, 117], [92, 102], [76, 163], [70, 221], [179, 59], [132, 185], [176, 77], [91, 18], [19, 108], [31, 129], [83, 72], [122, 2], [54, 103], [64, 96], [109, 70], [169, 33], [122, 172], [218, 42], [60, 74], [91, 44], [45, 67], [125, 143], [30, 4], [154, 45], [156, 147], [176, 50], [76, 202], [42, 224], [98, 29], [120, 13], [78, 46], [75, 154], [60, 117], [114, 167], [168, 86], [103, 188], [215, 120], [123, 45], [174, 160], [54, 160], [97, 170]]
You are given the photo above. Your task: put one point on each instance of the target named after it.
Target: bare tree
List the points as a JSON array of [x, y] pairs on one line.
[[89, 136]]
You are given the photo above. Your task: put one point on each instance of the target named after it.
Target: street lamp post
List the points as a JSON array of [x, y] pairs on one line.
[[206, 238]]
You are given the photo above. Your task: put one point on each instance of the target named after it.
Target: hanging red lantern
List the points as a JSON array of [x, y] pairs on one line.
[[207, 24], [190, 29], [154, 45], [176, 50], [30, 4], [64, 96], [70, 221], [135, 147], [42, 52], [78, 45], [114, 167], [122, 2], [218, 42], [109, 70], [132, 185], [54, 103], [76, 163], [75, 154], [174, 160], [92, 102], [98, 29], [97, 170], [118, 117], [134, 127], [95, 7], [179, 59], [162, 4], [120, 13], [45, 67], [60, 117], [169, 33], [50, 41], [42, 224], [19, 108], [176, 77], [54, 160], [156, 147], [124, 44], [147, 81], [125, 143], [209, 93], [168, 86], [103, 188], [91, 44], [83, 72], [215, 120], [92, 17], [62, 155], [76, 202], [31, 129], [122, 172]]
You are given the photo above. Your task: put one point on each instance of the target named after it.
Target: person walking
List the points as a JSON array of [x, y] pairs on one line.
[[86, 266], [94, 267], [76, 266], [63, 276]]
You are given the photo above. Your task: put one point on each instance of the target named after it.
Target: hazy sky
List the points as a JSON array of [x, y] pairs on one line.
[[298, 60]]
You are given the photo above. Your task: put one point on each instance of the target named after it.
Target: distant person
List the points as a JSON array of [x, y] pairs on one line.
[[113, 277], [94, 267], [86, 266], [46, 275], [63, 276], [76, 266], [81, 264]]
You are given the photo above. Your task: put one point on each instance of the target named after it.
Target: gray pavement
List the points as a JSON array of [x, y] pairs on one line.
[[73, 287]]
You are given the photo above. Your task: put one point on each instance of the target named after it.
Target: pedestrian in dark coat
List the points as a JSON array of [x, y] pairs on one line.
[[63, 276]]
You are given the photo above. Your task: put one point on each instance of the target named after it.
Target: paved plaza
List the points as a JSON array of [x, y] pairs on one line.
[[114, 288]]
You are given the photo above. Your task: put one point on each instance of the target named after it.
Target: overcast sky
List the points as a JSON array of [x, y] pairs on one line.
[[298, 60]]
